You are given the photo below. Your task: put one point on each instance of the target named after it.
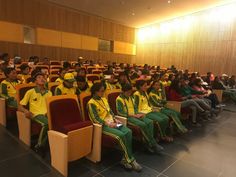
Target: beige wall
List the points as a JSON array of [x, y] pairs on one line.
[[204, 41]]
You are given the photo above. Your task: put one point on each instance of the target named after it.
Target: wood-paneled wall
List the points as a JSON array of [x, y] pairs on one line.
[[58, 53], [200, 42], [44, 15]]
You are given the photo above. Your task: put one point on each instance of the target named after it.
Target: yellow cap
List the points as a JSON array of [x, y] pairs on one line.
[[69, 77]]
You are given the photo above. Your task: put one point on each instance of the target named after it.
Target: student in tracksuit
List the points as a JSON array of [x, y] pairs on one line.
[[8, 87], [143, 105], [67, 87], [36, 99], [125, 107], [100, 112]]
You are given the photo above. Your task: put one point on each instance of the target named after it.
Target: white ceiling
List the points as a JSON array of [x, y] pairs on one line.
[[138, 13]]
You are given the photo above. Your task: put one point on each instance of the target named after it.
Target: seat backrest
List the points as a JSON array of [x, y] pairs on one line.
[[111, 97], [63, 110], [84, 99], [55, 63], [52, 86], [93, 77], [21, 90], [53, 77]]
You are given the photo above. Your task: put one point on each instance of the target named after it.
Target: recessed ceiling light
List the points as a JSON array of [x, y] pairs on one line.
[[133, 13], [169, 2]]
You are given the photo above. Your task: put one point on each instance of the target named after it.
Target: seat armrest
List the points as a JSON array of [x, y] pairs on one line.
[[123, 120], [176, 105], [24, 126], [3, 116], [95, 155], [59, 151]]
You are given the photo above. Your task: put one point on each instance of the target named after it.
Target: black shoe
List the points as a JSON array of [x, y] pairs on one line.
[[41, 151]]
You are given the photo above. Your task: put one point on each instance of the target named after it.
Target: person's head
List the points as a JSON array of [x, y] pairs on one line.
[[69, 80], [38, 77], [5, 57], [77, 67], [141, 85], [171, 77], [46, 61], [156, 85], [216, 79], [36, 59], [81, 83], [98, 89], [62, 72], [175, 85], [184, 82], [127, 89], [198, 82], [25, 69], [186, 71], [209, 74], [67, 66], [165, 77], [10, 73], [112, 79], [81, 72], [155, 76], [123, 78]]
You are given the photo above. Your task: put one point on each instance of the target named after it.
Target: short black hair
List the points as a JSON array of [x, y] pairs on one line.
[[8, 70], [80, 79], [126, 87], [35, 73], [24, 66], [140, 83], [96, 87], [66, 64]]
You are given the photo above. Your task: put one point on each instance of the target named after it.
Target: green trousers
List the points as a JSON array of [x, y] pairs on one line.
[[11, 102], [176, 117], [124, 136], [146, 127], [231, 94], [161, 120], [43, 121]]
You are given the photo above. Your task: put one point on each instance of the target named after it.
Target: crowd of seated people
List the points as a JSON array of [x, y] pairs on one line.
[[144, 95]]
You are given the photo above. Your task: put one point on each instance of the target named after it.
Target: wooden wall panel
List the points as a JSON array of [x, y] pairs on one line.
[[70, 40], [43, 14], [206, 45], [89, 43], [48, 37], [58, 53], [11, 32]]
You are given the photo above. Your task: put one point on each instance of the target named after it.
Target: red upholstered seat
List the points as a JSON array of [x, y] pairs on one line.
[[53, 88], [93, 78], [35, 127], [107, 141], [74, 126], [65, 116], [112, 101]]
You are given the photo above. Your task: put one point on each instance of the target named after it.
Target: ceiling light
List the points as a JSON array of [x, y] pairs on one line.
[[169, 2]]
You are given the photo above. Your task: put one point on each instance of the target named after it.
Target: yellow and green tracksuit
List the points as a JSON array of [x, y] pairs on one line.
[[62, 90], [125, 107], [142, 103], [110, 86], [8, 91], [100, 112], [156, 100], [37, 105]]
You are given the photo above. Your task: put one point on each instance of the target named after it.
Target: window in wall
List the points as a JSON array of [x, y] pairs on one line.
[[29, 35], [105, 45]]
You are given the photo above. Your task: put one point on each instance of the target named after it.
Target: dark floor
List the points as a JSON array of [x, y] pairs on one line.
[[209, 151]]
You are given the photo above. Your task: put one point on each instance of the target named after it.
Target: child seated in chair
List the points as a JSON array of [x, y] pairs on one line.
[[100, 112], [36, 98], [8, 87]]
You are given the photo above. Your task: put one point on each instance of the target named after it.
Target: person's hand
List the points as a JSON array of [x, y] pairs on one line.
[[112, 125], [29, 114]]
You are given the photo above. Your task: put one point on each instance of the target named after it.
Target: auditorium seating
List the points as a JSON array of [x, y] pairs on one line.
[[70, 137]]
